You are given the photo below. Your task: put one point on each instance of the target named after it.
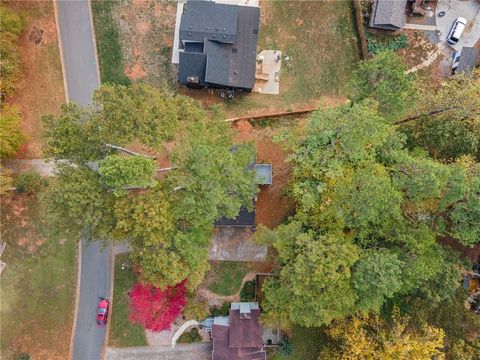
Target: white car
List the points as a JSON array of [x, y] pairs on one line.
[[456, 31]]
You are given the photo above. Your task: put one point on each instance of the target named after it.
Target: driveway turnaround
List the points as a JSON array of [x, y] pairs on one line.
[[78, 50], [81, 75]]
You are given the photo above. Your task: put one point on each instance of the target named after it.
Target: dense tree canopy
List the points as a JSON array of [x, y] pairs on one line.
[[168, 224], [354, 179], [371, 338]]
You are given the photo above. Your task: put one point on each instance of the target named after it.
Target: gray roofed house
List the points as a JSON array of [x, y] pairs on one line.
[[218, 45], [388, 14], [468, 60]]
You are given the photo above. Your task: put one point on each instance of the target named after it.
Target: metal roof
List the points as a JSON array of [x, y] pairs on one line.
[[388, 14]]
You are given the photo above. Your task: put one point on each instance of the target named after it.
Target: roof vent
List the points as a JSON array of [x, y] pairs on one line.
[[217, 28], [189, 33], [234, 50], [224, 29], [224, 36], [214, 35], [208, 27]]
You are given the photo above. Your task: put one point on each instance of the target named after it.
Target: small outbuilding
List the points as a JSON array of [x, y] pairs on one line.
[[388, 14]]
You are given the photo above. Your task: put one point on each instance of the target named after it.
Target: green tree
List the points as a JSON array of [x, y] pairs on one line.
[[384, 79], [77, 204], [212, 177], [313, 285], [74, 134], [11, 136], [377, 276], [119, 172]]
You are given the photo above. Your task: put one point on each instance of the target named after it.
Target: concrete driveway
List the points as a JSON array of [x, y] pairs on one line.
[[468, 9], [196, 351]]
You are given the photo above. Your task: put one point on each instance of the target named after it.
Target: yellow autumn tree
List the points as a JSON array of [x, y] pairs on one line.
[[372, 338]]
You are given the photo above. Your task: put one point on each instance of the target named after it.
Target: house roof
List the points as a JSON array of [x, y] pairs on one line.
[[468, 60], [241, 338], [244, 218], [230, 36], [388, 14]]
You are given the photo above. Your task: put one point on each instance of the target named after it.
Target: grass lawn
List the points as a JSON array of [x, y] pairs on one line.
[[306, 344], [38, 283], [123, 332], [227, 276], [110, 56]]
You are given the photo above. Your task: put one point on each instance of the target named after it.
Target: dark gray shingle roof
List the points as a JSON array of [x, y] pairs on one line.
[[388, 14], [468, 60], [230, 50]]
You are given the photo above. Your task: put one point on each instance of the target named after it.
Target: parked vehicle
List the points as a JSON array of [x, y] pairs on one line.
[[456, 31], [102, 311]]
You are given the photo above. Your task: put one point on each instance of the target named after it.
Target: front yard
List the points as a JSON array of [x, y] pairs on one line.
[[123, 332], [38, 283]]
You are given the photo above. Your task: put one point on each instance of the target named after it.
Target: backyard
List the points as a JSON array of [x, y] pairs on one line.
[[38, 283]]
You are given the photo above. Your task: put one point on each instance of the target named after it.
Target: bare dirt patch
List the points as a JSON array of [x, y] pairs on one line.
[[273, 206], [42, 90], [146, 35]]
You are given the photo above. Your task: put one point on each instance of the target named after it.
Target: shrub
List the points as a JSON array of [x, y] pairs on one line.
[[221, 311], [376, 44], [189, 337], [156, 309], [29, 182], [195, 310], [248, 291], [22, 356]]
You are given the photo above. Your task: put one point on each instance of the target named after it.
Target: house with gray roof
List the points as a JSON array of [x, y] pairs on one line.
[[388, 14], [218, 45]]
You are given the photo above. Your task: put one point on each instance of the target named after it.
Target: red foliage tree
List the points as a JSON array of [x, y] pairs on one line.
[[156, 309]]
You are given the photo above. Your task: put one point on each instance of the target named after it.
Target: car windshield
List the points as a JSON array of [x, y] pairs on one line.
[[102, 311]]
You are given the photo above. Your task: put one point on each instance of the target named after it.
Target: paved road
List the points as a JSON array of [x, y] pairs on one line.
[[196, 351], [95, 282], [81, 75], [78, 50]]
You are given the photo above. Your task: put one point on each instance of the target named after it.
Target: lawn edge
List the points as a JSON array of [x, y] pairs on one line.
[[113, 258], [77, 297], [94, 36]]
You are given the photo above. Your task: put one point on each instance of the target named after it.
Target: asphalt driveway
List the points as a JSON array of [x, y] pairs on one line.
[[78, 50]]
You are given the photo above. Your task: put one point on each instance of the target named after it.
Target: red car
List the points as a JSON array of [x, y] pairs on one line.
[[102, 311]]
